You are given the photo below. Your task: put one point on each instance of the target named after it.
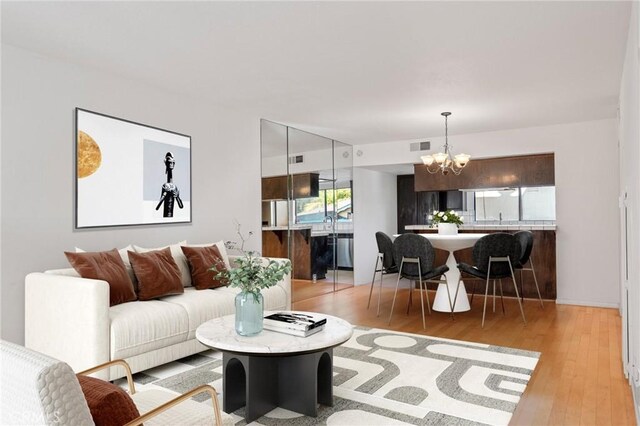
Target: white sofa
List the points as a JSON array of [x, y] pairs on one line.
[[69, 318]]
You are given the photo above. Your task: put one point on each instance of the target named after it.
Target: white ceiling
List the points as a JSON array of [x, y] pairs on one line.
[[358, 72]]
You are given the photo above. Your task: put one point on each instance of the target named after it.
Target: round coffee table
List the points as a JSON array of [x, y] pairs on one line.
[[274, 369]]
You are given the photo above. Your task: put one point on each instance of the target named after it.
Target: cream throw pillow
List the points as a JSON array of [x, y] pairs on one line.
[[178, 256]]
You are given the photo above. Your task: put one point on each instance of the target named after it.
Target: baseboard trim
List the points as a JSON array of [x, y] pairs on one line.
[[634, 397], [584, 303]]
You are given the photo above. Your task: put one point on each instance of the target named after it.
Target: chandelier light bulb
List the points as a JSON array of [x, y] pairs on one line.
[[446, 161], [440, 157], [427, 160], [462, 159]]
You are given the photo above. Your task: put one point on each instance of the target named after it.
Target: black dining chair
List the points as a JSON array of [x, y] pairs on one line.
[[415, 255], [493, 257], [385, 263], [525, 239]]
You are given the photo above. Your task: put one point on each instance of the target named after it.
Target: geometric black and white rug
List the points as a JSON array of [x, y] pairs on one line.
[[384, 377]]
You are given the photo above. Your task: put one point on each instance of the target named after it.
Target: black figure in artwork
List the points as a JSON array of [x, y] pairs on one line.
[[170, 191]]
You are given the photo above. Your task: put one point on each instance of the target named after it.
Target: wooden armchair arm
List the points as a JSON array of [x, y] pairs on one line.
[[177, 400], [167, 405], [120, 362]]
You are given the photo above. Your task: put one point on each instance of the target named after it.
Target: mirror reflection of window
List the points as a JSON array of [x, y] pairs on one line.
[[497, 205], [340, 201], [311, 210], [538, 203], [525, 203], [316, 209]]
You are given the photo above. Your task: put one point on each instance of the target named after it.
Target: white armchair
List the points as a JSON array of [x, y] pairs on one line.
[[40, 390]]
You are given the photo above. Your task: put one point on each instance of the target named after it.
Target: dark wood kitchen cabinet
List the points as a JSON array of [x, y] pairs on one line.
[[304, 185], [276, 243], [543, 255], [274, 188], [426, 203], [503, 172], [406, 199], [414, 207]]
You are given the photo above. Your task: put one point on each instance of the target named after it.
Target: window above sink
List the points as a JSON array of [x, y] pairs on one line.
[[321, 209], [514, 204]]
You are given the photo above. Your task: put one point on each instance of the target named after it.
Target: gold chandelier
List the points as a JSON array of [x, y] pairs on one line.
[[445, 161]]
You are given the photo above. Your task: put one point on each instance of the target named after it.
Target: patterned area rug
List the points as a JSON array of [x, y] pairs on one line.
[[384, 377]]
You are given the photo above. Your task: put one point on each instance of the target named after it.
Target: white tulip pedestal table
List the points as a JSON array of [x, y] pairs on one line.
[[273, 369], [452, 243]]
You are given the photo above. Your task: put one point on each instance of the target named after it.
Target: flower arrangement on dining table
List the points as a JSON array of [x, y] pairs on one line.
[[448, 216]]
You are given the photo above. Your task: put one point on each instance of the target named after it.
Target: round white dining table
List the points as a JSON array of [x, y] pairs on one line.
[[452, 243]]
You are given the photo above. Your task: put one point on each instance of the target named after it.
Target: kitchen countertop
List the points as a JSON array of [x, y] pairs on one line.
[[284, 228], [314, 230], [480, 227]]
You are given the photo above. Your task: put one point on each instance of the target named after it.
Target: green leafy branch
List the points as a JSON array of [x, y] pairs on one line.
[[252, 272]]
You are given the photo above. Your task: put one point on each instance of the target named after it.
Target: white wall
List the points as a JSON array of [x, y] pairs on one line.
[[375, 209], [586, 164], [629, 135], [38, 100], [314, 161]]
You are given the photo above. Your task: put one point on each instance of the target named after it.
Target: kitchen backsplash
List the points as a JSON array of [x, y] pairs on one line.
[[468, 217], [341, 226]]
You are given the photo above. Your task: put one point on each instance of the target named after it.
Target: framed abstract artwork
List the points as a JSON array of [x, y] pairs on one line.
[[129, 173]]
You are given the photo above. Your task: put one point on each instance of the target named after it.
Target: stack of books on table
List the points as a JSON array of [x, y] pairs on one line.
[[295, 323]]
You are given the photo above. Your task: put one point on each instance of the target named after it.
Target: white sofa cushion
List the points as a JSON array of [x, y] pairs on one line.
[[67, 272], [275, 298], [139, 327], [203, 305]]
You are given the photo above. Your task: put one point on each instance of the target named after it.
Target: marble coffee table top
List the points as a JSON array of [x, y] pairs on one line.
[[220, 333]]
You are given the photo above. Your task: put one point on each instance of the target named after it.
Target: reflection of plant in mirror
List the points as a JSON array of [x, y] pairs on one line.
[[305, 205], [338, 195]]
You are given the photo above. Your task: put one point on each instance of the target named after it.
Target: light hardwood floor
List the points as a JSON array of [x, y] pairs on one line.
[[579, 378], [305, 289]]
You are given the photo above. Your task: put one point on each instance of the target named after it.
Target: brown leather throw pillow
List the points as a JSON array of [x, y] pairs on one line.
[[107, 266], [109, 404], [158, 274], [200, 259]]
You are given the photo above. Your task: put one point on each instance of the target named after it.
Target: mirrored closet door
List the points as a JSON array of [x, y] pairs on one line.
[[306, 207]]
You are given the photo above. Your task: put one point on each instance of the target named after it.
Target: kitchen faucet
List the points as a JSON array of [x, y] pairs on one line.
[[328, 219], [501, 217]]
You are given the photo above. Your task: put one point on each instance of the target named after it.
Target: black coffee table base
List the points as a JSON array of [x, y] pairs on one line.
[[262, 383]]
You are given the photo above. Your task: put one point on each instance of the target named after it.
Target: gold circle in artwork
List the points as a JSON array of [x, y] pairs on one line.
[[89, 155]]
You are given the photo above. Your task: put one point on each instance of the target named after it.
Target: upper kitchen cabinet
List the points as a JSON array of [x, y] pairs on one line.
[[274, 188], [525, 170], [304, 185]]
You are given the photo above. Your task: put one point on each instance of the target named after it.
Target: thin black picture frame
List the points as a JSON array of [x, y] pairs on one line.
[[77, 225]]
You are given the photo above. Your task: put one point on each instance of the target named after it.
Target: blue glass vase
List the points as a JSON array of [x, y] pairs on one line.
[[249, 313]]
